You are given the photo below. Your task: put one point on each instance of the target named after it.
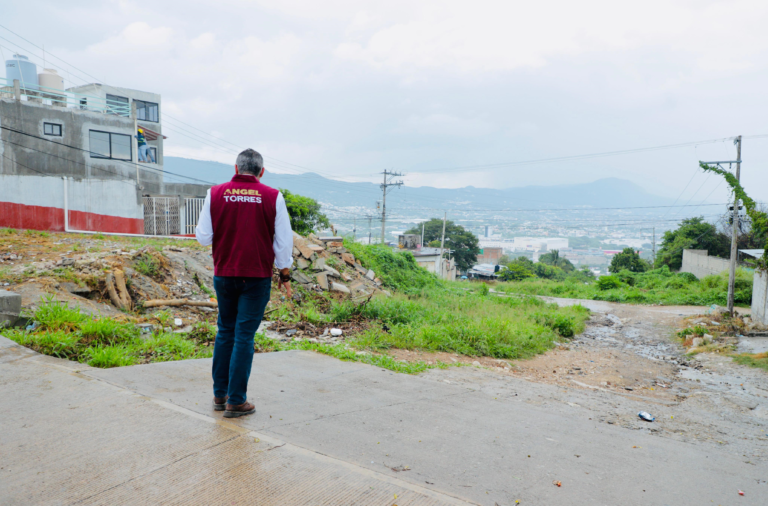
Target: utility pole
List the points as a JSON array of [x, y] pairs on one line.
[[735, 230], [653, 260], [422, 234], [386, 184], [369, 229], [354, 229], [442, 244]]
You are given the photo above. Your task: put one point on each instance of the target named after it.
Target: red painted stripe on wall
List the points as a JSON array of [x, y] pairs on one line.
[[52, 218]]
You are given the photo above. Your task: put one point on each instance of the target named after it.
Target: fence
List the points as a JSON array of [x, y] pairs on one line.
[[33, 92], [700, 264], [192, 208], [161, 216]]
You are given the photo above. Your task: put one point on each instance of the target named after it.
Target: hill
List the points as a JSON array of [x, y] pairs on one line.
[[608, 192]]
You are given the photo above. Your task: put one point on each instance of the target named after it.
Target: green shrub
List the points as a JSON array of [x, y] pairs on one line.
[[608, 282], [56, 315]]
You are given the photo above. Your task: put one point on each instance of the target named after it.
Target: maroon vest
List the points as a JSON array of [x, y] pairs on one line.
[[243, 217]]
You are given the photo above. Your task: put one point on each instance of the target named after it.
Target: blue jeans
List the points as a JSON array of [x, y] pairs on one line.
[[241, 308], [145, 154]]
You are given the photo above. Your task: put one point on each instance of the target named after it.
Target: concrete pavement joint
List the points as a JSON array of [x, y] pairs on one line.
[[277, 443]]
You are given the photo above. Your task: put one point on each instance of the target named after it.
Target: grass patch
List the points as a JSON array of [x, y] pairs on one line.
[[147, 265], [759, 360], [342, 352], [397, 270], [65, 332], [659, 286]]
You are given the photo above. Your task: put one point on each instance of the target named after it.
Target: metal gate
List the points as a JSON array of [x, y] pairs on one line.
[[192, 208], [161, 216]]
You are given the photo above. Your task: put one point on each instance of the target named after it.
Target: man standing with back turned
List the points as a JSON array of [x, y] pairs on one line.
[[248, 224]]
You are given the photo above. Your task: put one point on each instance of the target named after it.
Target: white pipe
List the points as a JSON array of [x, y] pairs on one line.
[[67, 229]]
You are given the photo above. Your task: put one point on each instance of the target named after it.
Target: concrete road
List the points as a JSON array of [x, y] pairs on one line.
[[353, 434]]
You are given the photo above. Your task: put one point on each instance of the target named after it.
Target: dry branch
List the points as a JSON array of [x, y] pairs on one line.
[[180, 302], [118, 293]]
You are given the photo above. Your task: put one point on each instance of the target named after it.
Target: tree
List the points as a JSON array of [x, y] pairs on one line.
[[464, 244], [553, 258], [515, 271], [629, 260], [693, 233], [305, 213]]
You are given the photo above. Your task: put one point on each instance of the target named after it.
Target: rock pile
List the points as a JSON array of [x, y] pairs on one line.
[[324, 264]]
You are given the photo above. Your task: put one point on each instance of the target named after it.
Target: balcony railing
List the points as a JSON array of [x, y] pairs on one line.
[[33, 92]]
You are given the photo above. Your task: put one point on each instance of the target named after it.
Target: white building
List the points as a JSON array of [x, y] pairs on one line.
[[539, 243]]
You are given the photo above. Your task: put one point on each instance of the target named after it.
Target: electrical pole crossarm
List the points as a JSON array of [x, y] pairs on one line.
[[386, 184]]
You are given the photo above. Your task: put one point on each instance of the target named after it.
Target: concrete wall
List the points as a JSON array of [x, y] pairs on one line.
[[25, 155], [37, 202], [700, 264], [186, 189], [760, 297]]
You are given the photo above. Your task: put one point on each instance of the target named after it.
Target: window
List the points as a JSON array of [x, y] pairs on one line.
[[117, 105], [154, 153], [109, 145], [147, 111], [52, 129]]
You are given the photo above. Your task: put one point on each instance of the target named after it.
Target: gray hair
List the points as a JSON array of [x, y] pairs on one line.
[[250, 162]]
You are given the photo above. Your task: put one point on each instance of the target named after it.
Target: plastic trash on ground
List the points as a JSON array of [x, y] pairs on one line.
[[646, 416], [336, 332]]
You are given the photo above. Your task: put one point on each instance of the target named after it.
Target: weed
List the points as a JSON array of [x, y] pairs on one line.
[[147, 265], [759, 360], [106, 330], [164, 317], [55, 315], [99, 236], [110, 356], [202, 286], [697, 331], [7, 231], [659, 286]]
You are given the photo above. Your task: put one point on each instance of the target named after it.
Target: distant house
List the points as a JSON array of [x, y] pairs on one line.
[[76, 148], [490, 256], [432, 260]]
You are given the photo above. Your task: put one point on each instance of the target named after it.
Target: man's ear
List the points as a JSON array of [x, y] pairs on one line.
[[261, 174], [237, 171]]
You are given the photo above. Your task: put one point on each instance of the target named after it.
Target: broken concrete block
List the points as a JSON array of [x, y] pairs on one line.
[[362, 270], [66, 262], [318, 264], [322, 280], [302, 263], [75, 288], [10, 308], [331, 239], [301, 244], [708, 338], [370, 275], [331, 271], [315, 248], [346, 277], [357, 286], [335, 244], [300, 277], [348, 258], [698, 341], [296, 251], [338, 287]]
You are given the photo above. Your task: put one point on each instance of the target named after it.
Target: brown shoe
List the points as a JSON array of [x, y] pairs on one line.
[[243, 409], [220, 403]]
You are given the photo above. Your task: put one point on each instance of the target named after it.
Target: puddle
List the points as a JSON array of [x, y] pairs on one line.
[[753, 344]]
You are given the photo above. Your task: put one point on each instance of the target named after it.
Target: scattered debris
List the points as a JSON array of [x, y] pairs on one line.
[[644, 415]]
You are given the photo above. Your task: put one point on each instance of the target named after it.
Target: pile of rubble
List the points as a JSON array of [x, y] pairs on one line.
[[324, 264]]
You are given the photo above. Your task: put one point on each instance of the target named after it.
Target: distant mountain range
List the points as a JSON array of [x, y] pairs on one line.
[[608, 192]]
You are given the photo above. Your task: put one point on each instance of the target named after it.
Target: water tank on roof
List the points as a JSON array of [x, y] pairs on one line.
[[50, 80], [19, 67]]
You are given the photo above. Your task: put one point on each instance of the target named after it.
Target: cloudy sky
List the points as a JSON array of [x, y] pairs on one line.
[[349, 88]]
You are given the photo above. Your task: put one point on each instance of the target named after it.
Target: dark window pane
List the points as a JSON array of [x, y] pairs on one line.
[[99, 144], [121, 147], [147, 111]]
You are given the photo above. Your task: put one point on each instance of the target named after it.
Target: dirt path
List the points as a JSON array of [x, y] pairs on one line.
[[627, 361]]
